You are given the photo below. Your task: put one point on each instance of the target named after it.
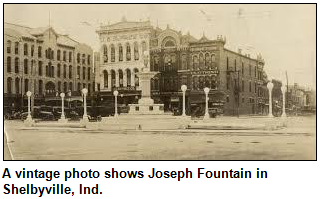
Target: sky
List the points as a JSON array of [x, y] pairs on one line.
[[284, 34]]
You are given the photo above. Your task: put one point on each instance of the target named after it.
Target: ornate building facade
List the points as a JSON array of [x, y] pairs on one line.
[[236, 80], [44, 62]]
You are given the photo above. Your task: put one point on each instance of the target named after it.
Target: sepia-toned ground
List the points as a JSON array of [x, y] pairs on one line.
[[296, 142]]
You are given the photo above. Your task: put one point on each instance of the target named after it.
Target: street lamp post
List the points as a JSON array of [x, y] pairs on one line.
[[29, 120], [270, 87], [62, 118], [206, 115], [184, 88], [283, 89], [29, 110], [116, 112], [84, 92]]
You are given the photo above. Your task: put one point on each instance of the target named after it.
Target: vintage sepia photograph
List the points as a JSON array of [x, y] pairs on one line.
[[159, 82]]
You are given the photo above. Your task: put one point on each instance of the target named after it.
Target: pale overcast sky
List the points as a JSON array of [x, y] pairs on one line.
[[285, 35]]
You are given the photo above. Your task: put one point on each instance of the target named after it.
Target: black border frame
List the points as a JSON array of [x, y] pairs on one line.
[[316, 63]]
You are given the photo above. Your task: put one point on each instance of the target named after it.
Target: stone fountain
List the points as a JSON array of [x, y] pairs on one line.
[[145, 104]]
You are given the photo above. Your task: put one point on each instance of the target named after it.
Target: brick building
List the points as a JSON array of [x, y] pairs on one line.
[[236, 80], [44, 62]]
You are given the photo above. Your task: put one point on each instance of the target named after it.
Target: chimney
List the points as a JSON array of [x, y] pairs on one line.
[[240, 51]]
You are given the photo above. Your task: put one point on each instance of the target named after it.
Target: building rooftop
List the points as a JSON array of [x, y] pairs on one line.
[[16, 30]]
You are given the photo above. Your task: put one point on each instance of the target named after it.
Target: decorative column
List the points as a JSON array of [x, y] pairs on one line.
[[184, 88], [206, 115], [283, 89], [109, 80], [85, 116], [125, 78], [132, 52], [62, 118], [132, 78], [270, 87], [117, 78], [116, 112]]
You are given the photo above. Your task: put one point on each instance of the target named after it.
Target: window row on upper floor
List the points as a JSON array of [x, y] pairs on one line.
[[252, 71], [49, 53], [124, 53], [49, 69], [170, 62]]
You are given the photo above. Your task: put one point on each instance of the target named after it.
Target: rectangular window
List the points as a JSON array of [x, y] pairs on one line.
[[242, 68], [250, 70], [250, 87]]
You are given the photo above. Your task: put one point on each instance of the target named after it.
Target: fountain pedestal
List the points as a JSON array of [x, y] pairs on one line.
[[146, 105]]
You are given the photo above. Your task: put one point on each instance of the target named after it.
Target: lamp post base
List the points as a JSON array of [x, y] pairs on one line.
[[62, 120]]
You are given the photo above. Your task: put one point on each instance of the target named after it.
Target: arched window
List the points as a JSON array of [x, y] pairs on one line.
[[88, 71], [105, 57], [213, 62], [78, 72], [16, 48], [144, 46], [26, 85], [88, 59], [65, 87], [120, 52], [40, 68], [120, 74], [59, 86], [136, 77], [78, 58], [8, 46], [201, 63], [70, 71], [112, 51], [39, 51], [58, 55], [207, 61], [195, 83], [105, 79], [25, 65], [169, 43], [136, 53], [64, 56], [65, 71], [183, 65], [40, 87], [128, 77], [83, 73], [213, 82], [207, 81], [32, 50], [25, 49], [156, 63], [17, 84], [70, 56], [70, 86], [128, 52], [58, 70], [9, 85], [9, 64], [79, 87], [195, 62], [52, 71], [83, 58], [201, 82]]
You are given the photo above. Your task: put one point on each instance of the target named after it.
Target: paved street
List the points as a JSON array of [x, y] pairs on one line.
[[297, 142]]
